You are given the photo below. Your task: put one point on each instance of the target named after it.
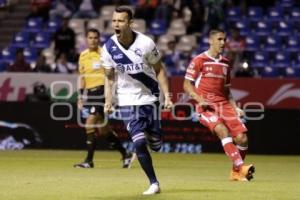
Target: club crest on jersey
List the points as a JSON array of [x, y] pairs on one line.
[[155, 52], [138, 52], [117, 56]]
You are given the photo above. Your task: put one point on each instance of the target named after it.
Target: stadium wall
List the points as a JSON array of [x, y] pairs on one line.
[[56, 123]]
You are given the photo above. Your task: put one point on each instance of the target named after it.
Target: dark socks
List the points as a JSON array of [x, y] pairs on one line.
[[91, 146], [115, 143], [145, 160]]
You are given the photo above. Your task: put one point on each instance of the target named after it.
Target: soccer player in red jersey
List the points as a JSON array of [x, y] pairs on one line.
[[207, 80]]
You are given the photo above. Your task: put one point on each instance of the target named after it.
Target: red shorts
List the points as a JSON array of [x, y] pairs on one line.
[[222, 113]]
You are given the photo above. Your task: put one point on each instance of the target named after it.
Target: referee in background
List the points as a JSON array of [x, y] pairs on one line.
[[91, 84]]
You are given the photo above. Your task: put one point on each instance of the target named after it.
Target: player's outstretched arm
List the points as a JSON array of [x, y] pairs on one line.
[[164, 84], [239, 111], [109, 82]]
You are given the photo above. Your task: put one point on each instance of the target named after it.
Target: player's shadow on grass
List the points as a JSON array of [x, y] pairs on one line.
[[133, 197], [175, 191], [194, 191]]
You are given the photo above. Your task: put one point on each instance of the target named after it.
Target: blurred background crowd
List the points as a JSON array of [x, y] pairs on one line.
[[48, 35]]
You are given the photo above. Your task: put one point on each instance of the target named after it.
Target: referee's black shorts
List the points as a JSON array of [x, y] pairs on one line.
[[95, 100]]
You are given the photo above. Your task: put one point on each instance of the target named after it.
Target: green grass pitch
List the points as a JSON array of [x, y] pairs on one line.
[[49, 175]]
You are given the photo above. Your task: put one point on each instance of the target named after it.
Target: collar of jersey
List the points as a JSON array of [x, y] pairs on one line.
[[134, 39], [214, 59]]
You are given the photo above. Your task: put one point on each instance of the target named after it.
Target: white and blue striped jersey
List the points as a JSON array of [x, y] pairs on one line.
[[135, 77]]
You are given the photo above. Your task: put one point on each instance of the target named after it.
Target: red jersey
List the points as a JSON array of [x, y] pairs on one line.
[[210, 76]]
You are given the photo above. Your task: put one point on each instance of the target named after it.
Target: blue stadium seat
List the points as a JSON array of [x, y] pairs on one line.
[[255, 13], [171, 70], [273, 43], [295, 13], [34, 25], [158, 27], [41, 40], [291, 72], [204, 45], [2, 3], [260, 59], [8, 54], [297, 61], [293, 43], [243, 26], [296, 65], [104, 38], [168, 61], [282, 59], [284, 28], [275, 13], [295, 17], [269, 72], [285, 3], [134, 2], [30, 54], [233, 13], [3, 65], [262, 27], [252, 43], [52, 25], [21, 40]]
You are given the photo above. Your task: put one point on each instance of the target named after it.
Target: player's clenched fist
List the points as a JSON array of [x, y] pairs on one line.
[[108, 108], [168, 104], [240, 112]]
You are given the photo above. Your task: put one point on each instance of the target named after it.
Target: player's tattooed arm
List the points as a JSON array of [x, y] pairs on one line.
[[164, 84]]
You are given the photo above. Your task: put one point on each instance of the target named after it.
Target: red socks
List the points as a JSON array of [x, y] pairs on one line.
[[232, 152]]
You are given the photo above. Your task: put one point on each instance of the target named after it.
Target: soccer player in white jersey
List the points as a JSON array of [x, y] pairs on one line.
[[132, 58]]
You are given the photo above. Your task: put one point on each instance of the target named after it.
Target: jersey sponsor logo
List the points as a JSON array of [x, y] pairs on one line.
[[118, 56], [113, 48], [208, 68], [215, 64], [131, 67], [212, 75]]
